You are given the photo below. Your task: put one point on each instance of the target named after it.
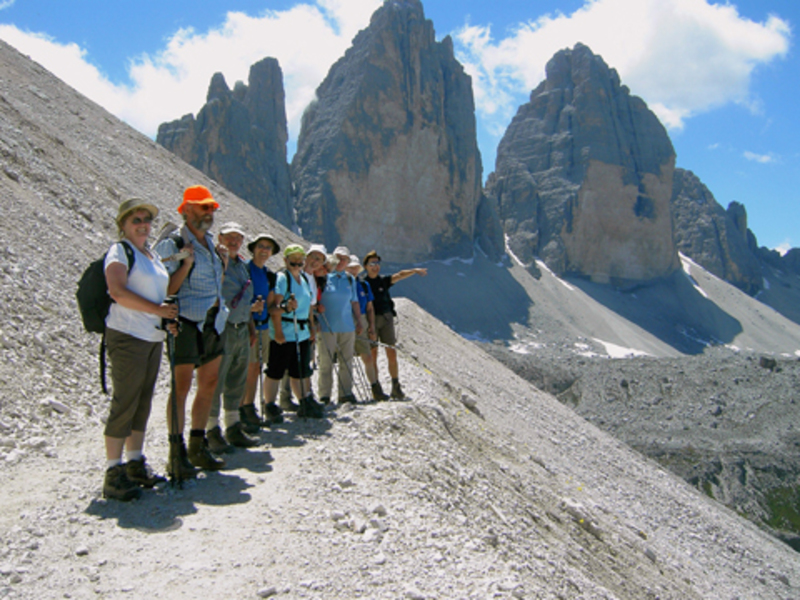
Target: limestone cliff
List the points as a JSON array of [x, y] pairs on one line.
[[387, 155], [239, 139], [715, 238], [583, 176]]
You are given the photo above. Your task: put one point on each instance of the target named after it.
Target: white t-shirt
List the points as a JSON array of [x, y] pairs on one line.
[[149, 279]]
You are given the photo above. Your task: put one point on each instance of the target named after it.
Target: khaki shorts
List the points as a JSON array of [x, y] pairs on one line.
[[362, 345], [384, 325], [263, 337]]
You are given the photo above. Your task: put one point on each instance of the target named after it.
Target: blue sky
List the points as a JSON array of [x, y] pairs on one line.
[[722, 76]]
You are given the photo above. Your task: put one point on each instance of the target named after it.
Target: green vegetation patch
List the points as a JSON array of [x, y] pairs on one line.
[[783, 505]]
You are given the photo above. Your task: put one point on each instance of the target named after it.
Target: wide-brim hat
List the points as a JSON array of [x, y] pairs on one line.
[[276, 247], [342, 251], [133, 204], [197, 194]]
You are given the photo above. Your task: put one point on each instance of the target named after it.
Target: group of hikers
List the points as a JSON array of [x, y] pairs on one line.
[[229, 321]]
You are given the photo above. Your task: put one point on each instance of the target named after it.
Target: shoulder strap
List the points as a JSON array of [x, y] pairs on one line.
[[129, 253]]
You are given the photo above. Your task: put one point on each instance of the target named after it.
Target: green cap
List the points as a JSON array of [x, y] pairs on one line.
[[294, 249]]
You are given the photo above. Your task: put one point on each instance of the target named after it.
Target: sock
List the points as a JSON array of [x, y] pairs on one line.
[[113, 462], [212, 422], [201, 433], [133, 455], [231, 417]]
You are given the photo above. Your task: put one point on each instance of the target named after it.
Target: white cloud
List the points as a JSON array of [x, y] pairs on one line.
[[759, 158], [783, 248], [682, 57], [305, 39], [6, 4]]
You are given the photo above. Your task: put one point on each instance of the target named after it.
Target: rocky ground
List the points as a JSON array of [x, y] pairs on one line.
[[477, 487], [725, 421]]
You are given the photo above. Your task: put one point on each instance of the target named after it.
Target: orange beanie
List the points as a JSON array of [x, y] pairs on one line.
[[197, 194]]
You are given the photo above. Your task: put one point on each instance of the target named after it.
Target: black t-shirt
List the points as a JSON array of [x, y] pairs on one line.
[[382, 302]]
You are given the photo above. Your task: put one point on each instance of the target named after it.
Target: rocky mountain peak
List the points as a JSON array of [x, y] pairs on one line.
[[713, 237], [239, 139], [387, 155], [218, 89], [583, 176]]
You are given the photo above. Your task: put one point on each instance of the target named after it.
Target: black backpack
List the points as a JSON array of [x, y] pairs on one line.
[[94, 302]]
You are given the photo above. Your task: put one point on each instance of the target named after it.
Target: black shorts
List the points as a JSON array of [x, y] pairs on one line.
[[195, 347], [284, 356]]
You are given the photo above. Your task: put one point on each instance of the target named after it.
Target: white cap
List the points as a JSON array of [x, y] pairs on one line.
[[232, 227], [342, 251], [354, 262], [317, 248]]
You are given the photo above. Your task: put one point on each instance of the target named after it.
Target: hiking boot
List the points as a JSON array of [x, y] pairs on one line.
[[251, 422], [201, 457], [348, 399], [310, 408], [377, 392], [217, 442], [325, 400], [237, 436], [140, 473], [274, 414], [397, 391], [185, 470], [117, 486]]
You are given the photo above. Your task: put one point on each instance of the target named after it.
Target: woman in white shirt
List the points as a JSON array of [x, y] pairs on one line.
[[134, 339]]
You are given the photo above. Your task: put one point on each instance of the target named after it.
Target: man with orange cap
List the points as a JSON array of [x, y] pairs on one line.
[[196, 271]]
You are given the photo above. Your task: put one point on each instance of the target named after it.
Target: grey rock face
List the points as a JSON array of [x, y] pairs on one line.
[[387, 156], [239, 139], [714, 238], [583, 176]]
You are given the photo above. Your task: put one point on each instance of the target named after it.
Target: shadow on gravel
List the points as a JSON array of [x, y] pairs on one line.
[[294, 431], [160, 510], [671, 309], [477, 298]]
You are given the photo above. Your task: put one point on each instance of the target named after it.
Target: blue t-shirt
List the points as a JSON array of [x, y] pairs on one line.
[[261, 287], [337, 298], [302, 293], [364, 295]]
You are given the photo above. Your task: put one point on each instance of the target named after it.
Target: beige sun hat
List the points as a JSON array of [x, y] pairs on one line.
[[133, 204]]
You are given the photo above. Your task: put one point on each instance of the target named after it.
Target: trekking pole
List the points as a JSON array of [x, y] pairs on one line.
[[339, 350], [299, 360], [362, 376], [261, 390], [175, 446]]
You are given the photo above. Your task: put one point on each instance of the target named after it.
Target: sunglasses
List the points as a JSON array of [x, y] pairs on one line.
[[373, 263], [295, 264], [269, 247], [140, 220], [205, 207]]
